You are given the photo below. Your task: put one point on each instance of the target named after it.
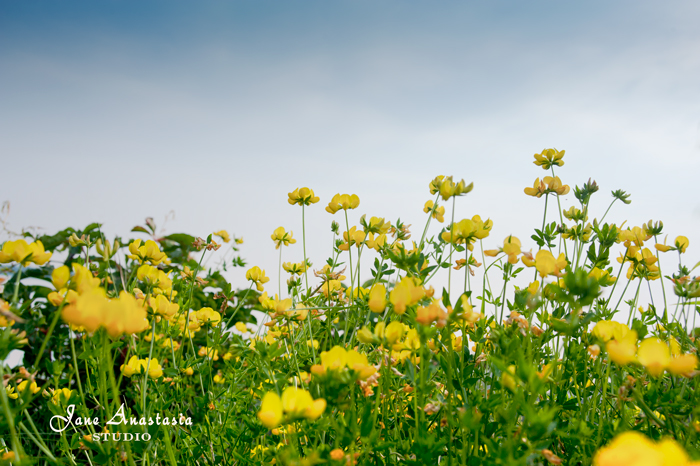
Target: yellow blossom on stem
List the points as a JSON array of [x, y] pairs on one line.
[[60, 277], [137, 366], [682, 243], [270, 413], [149, 252], [354, 236], [437, 213], [257, 276], [295, 268], [302, 196], [282, 238], [683, 364], [377, 298], [343, 202], [623, 351], [654, 355], [549, 157], [547, 185], [22, 253], [223, 234], [546, 264]]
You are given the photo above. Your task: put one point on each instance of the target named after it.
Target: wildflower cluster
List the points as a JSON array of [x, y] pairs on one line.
[[546, 351]]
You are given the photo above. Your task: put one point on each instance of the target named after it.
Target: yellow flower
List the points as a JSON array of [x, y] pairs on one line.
[[358, 362], [437, 213], [282, 238], [655, 355], [622, 351], [365, 335], [223, 234], [377, 243], [138, 366], [219, 378], [401, 296], [92, 310], [508, 378], [393, 332], [354, 236], [537, 190], [683, 364], [547, 265], [426, 315], [330, 287], [629, 448], [149, 252], [240, 326], [337, 359], [574, 214], [548, 185], [634, 448], [61, 396], [460, 232], [11, 392], [448, 188], [377, 298], [511, 246], [60, 277], [635, 236], [297, 402], [295, 268], [208, 315], [663, 247], [22, 253], [549, 157], [681, 243], [482, 229], [162, 306], [257, 276], [270, 413], [207, 352], [302, 196], [123, 315], [606, 330], [375, 225], [344, 202], [603, 277], [33, 387]]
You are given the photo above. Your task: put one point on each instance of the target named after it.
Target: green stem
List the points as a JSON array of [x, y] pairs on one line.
[[303, 240], [148, 365], [452, 243]]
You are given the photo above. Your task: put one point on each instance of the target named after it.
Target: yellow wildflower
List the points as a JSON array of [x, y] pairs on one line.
[[302, 196]]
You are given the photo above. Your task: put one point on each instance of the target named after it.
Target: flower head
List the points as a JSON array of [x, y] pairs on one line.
[[257, 276], [22, 253], [303, 196], [282, 238], [549, 157], [343, 202]]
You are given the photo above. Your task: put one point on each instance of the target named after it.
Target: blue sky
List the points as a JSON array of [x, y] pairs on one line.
[[118, 110]]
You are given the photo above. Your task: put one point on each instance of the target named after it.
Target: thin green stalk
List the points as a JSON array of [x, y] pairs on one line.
[[148, 365], [452, 243], [303, 240], [347, 228], [661, 278], [544, 222], [279, 275], [427, 224], [10, 419], [606, 212]]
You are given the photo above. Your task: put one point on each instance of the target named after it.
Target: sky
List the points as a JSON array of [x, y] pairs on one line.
[[114, 111]]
